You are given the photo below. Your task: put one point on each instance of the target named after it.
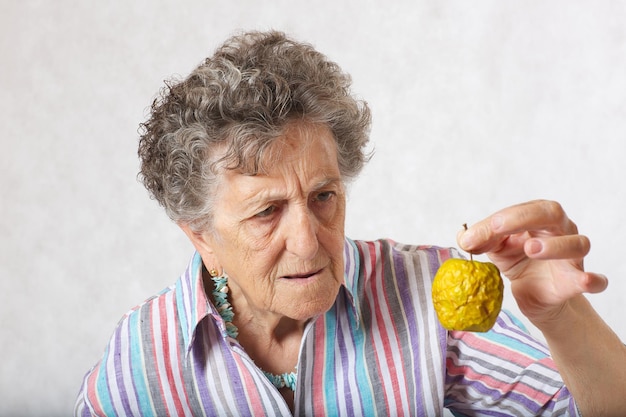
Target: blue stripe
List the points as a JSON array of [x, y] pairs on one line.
[[103, 387], [137, 363], [362, 376], [330, 390], [499, 334], [358, 339]]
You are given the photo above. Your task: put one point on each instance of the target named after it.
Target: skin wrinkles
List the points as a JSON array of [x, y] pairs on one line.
[[279, 235]]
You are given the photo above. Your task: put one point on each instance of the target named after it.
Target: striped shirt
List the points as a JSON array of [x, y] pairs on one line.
[[379, 351]]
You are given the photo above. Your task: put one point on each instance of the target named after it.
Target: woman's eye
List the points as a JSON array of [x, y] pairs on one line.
[[325, 196], [267, 212]]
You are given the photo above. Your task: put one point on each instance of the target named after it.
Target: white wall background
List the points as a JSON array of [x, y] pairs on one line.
[[477, 105]]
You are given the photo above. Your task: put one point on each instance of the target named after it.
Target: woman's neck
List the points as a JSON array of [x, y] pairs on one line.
[[271, 340]]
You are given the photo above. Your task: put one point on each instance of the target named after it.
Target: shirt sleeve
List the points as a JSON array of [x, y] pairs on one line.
[[505, 371], [81, 408]]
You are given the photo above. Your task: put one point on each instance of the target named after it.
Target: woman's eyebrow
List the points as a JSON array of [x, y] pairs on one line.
[[264, 196], [326, 182]]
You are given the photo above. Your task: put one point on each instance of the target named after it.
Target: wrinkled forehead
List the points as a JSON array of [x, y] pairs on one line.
[[256, 154]]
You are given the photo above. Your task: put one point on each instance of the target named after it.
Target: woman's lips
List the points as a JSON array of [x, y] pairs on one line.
[[303, 275]]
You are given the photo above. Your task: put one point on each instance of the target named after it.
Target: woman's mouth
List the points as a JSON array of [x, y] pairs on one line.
[[304, 275]]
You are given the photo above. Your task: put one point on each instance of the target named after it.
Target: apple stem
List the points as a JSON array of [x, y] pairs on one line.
[[471, 256]]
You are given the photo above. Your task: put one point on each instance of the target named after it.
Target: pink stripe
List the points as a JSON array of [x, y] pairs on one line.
[[252, 394], [383, 301], [177, 362], [171, 389], [492, 383], [493, 349], [383, 335], [156, 353], [92, 391], [317, 396]]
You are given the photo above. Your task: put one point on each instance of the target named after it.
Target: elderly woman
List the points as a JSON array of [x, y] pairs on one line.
[[278, 313]]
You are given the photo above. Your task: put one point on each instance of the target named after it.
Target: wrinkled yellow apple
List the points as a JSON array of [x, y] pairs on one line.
[[467, 294]]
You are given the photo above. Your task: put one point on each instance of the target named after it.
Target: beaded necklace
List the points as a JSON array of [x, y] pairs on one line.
[[220, 297]]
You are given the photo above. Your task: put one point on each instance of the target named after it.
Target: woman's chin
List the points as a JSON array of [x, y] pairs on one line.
[[305, 298]]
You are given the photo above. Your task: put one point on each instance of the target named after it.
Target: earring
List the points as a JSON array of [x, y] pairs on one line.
[[213, 272]]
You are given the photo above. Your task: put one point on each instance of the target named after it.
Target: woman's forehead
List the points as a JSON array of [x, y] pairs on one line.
[[315, 157], [299, 142], [295, 164]]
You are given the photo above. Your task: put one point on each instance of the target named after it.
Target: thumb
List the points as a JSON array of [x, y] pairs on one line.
[[593, 283]]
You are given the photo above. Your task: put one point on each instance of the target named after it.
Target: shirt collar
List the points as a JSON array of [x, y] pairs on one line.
[[351, 261], [191, 301], [193, 306]]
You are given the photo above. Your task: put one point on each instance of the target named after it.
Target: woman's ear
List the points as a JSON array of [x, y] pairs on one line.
[[201, 241]]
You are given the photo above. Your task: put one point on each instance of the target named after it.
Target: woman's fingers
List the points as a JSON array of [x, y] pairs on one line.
[[538, 218], [557, 247], [534, 215]]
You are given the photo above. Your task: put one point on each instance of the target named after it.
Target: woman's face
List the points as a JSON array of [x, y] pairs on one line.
[[279, 235]]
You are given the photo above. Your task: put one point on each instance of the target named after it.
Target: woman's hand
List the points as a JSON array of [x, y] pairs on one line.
[[538, 248]]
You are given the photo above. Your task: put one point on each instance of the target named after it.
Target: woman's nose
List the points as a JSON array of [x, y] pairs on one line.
[[302, 234]]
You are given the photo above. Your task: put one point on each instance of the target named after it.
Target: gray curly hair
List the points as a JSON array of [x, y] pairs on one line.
[[230, 109]]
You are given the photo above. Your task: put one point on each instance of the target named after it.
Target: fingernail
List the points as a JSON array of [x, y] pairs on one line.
[[465, 241], [534, 247]]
